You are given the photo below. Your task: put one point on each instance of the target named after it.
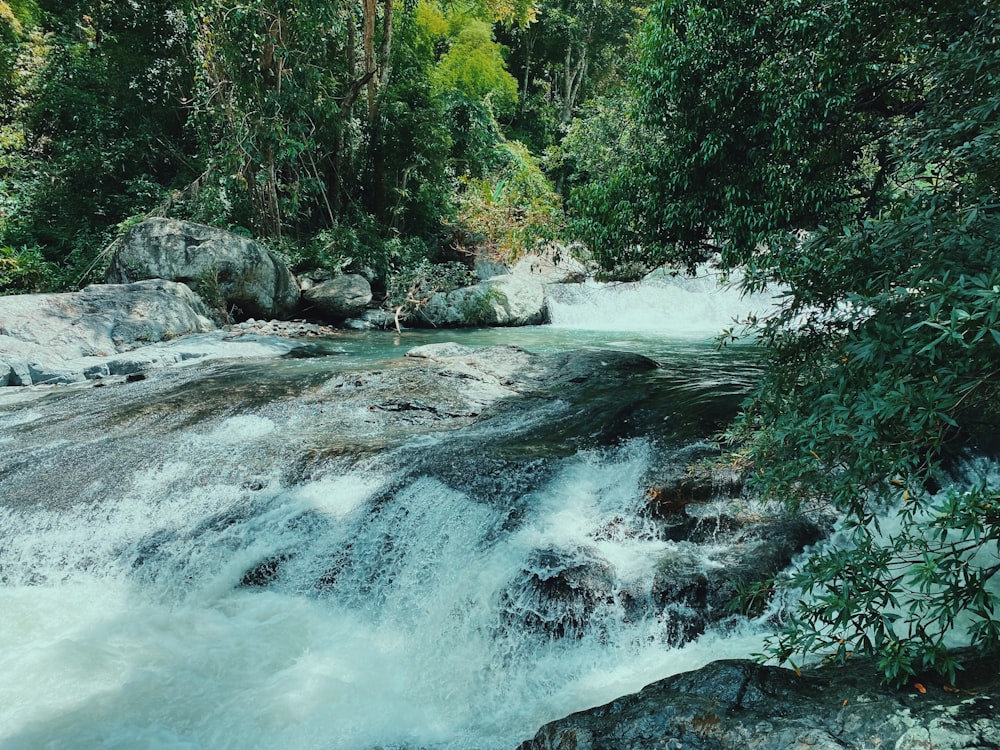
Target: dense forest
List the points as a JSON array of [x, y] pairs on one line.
[[344, 134], [846, 153]]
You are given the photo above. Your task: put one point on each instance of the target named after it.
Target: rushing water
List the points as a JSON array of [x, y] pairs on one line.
[[210, 559], [698, 306]]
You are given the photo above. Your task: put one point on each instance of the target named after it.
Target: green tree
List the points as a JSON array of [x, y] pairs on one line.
[[600, 164], [416, 141], [846, 153], [16, 20], [99, 124], [273, 94], [474, 67], [15, 30], [570, 52], [318, 122], [504, 202], [325, 127]]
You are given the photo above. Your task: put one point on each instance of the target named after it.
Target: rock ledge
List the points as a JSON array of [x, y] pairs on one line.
[[739, 704]]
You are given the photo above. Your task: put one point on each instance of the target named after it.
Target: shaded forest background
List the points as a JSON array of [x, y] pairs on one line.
[[366, 134]]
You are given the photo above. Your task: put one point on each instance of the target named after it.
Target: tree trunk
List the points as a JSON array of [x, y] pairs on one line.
[[573, 83], [368, 42], [529, 44], [379, 80], [383, 62], [346, 112]]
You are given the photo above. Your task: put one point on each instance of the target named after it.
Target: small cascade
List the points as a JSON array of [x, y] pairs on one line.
[[347, 612], [670, 305]]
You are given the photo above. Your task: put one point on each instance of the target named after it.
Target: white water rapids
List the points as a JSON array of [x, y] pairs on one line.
[[169, 586], [679, 305], [97, 656]]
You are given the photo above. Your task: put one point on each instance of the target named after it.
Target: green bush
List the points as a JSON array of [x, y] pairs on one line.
[[411, 287], [25, 270], [512, 208]]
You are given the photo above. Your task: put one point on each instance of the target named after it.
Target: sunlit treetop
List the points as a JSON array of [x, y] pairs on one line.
[[516, 12], [474, 66]]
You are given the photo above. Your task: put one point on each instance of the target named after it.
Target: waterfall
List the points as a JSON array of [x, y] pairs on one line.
[[669, 305], [202, 561]]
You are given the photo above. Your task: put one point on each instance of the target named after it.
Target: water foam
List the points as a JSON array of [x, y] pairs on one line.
[[126, 625], [670, 305]]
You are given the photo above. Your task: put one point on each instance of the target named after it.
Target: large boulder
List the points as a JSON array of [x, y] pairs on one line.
[[554, 265], [551, 268], [694, 591], [695, 582], [514, 296], [507, 300], [559, 592], [60, 338], [344, 296], [228, 270]]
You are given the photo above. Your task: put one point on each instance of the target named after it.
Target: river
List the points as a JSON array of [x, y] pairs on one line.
[[215, 558]]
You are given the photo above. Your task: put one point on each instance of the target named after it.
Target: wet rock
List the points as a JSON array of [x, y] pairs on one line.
[[696, 584], [309, 279], [524, 371], [291, 329], [698, 484], [559, 592], [737, 705], [51, 373], [265, 572], [554, 267], [698, 590], [693, 587], [514, 296], [486, 267], [228, 270], [514, 300], [371, 320], [483, 475], [440, 352], [515, 395], [507, 300]]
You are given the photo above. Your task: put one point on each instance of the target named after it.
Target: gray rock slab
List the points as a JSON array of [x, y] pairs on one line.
[[509, 300], [60, 338]]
